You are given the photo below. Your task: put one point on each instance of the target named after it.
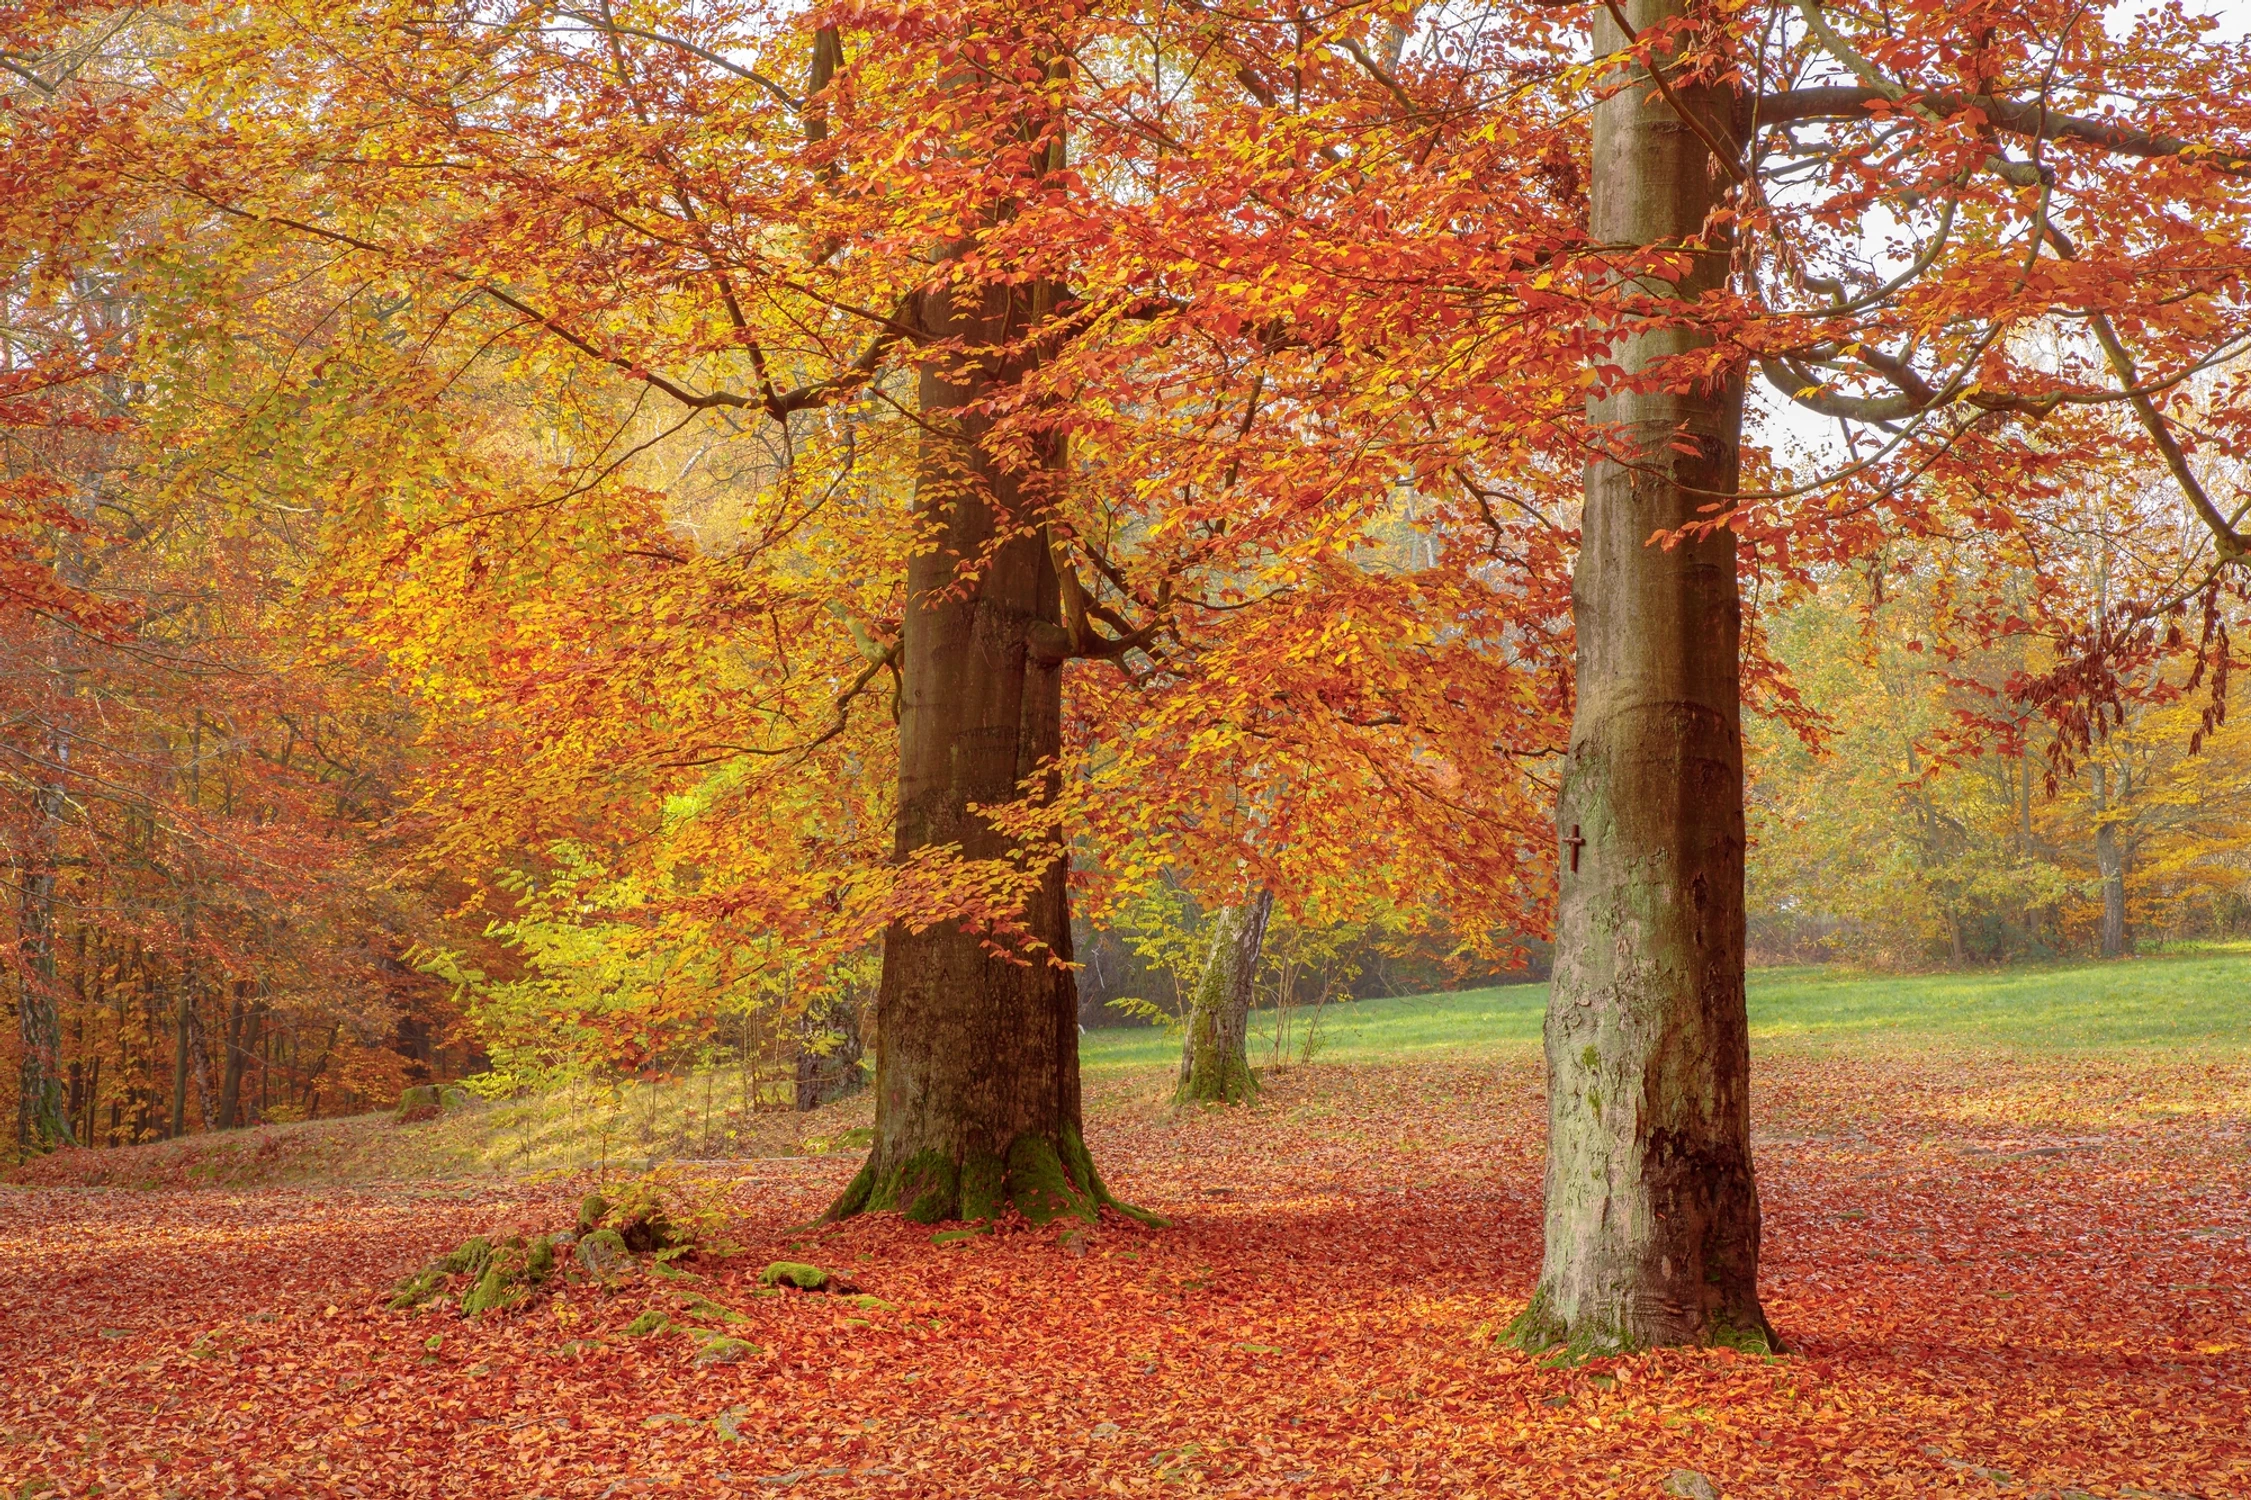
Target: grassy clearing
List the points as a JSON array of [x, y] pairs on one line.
[[2199, 999], [2188, 1003]]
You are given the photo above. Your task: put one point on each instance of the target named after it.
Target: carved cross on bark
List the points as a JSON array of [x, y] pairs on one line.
[[1574, 844]]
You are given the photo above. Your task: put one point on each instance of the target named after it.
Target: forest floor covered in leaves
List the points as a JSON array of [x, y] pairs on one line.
[[2002, 1273]]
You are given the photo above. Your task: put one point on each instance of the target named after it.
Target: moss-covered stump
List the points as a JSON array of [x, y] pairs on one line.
[[422, 1102], [1041, 1178], [427, 1101], [482, 1276], [616, 1236]]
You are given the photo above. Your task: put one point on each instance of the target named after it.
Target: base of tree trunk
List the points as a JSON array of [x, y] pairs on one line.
[[1044, 1178], [1226, 1080], [1604, 1326]]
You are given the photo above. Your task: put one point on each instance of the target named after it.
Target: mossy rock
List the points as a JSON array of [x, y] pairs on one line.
[[723, 1350], [800, 1275], [469, 1259], [604, 1256], [494, 1291], [590, 1211], [710, 1311], [412, 1291], [649, 1322], [493, 1275], [422, 1102], [433, 1279]]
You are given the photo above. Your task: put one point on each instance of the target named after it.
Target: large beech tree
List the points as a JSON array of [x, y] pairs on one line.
[[2016, 177], [886, 270], [1652, 1216]]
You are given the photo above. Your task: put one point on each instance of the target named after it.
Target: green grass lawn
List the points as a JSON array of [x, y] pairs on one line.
[[2194, 1000]]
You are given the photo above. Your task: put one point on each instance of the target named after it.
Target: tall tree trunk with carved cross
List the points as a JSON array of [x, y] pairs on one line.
[[1652, 1217]]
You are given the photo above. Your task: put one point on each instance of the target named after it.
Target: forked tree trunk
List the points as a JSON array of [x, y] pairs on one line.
[[1652, 1217], [230, 1073], [977, 1058], [1215, 1064]]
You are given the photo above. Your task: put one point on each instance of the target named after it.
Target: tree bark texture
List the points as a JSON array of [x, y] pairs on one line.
[[977, 1061], [1652, 1217], [1214, 1063]]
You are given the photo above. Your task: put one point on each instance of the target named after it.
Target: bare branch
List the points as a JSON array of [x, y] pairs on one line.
[[2017, 117]]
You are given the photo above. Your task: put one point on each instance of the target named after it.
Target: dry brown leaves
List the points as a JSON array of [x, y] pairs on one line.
[[2000, 1277]]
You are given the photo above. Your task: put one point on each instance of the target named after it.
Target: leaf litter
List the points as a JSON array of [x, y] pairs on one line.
[[2001, 1276]]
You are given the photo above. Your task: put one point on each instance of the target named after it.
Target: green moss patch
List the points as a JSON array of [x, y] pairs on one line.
[[603, 1256], [800, 1275], [709, 1311], [1039, 1188], [723, 1350], [485, 1275]]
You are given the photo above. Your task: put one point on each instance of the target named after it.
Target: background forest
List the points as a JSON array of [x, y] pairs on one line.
[[234, 847]]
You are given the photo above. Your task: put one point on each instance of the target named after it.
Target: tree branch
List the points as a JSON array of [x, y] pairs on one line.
[[606, 24], [2018, 117], [2229, 541]]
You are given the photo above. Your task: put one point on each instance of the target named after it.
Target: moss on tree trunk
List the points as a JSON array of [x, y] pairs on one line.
[[1214, 1058]]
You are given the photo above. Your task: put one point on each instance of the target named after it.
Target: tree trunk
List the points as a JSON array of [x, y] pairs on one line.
[[41, 1123], [1652, 1215], [977, 1058], [825, 1075], [93, 1098], [1214, 1067], [2110, 870], [199, 1049], [183, 1020], [230, 1072]]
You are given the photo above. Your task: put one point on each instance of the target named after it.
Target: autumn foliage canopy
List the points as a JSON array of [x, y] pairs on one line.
[[463, 466]]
